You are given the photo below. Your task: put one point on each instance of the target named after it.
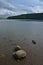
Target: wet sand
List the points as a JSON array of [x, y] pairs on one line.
[[6, 48]]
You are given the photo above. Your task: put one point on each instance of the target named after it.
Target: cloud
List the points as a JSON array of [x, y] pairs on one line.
[[5, 11], [17, 7], [7, 4], [37, 9]]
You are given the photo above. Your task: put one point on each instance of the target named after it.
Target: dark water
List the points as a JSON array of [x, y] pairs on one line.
[[14, 32]]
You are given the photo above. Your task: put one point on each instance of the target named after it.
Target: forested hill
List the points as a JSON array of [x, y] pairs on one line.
[[37, 16]]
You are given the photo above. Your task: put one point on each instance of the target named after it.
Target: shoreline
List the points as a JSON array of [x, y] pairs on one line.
[[31, 58]]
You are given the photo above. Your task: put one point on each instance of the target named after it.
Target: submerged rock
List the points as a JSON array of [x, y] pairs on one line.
[[33, 41], [17, 48], [19, 53], [2, 56]]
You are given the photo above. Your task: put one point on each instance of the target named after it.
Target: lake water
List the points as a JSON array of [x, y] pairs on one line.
[[22, 32]]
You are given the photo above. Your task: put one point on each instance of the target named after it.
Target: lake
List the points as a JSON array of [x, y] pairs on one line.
[[21, 32]]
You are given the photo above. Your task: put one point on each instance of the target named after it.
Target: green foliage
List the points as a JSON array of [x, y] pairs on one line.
[[38, 16]]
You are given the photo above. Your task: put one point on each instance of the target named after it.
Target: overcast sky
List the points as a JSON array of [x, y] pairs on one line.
[[16, 7]]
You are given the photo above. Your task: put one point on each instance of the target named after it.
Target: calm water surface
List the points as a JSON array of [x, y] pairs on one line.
[[22, 31]]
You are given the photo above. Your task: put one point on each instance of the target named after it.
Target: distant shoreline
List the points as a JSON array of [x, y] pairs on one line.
[[33, 16]]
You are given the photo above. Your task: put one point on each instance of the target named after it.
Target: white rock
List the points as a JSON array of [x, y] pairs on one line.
[[20, 53], [17, 48]]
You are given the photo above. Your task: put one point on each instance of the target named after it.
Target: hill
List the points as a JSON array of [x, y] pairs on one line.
[[37, 16]]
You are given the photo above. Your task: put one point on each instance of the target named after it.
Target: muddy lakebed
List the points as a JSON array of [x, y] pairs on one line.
[[21, 32]]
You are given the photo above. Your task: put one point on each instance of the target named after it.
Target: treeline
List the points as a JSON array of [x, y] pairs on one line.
[[38, 16]]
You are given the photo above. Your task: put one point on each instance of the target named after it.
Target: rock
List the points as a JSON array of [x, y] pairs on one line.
[[19, 54], [17, 48], [33, 42]]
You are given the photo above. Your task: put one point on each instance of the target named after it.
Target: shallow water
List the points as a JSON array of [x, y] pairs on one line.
[[22, 32]]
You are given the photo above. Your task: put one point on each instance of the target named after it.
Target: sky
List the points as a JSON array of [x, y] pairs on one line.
[[17, 7]]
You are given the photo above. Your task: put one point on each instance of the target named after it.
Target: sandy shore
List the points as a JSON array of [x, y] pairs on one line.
[[6, 49]]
